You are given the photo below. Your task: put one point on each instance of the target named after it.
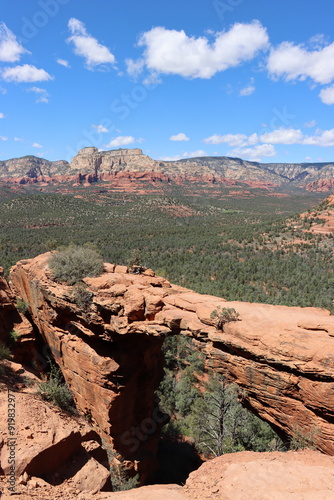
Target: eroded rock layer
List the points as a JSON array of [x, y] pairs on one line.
[[110, 353]]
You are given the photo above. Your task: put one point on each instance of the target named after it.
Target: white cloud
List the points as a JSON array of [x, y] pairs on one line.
[[38, 90], [88, 47], [121, 140], [134, 68], [63, 62], [327, 95], [100, 128], [18, 139], [240, 140], [310, 124], [192, 154], [3, 138], [318, 41], [283, 136], [230, 139], [36, 145], [41, 93], [170, 158], [10, 49], [25, 73], [2, 115], [174, 52], [254, 154], [322, 138], [195, 154], [179, 137], [248, 89], [152, 79], [295, 62]]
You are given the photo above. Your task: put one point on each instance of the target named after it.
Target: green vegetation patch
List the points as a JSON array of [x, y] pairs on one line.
[[74, 263]]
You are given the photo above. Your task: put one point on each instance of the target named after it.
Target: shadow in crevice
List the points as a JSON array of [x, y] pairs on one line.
[[177, 459]]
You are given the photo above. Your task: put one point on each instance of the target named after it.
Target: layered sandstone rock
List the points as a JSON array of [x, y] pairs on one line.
[[321, 185], [113, 366], [110, 353], [93, 165], [12, 321], [91, 160], [48, 444]]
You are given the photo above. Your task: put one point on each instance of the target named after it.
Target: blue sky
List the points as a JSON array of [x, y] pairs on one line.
[[246, 78]]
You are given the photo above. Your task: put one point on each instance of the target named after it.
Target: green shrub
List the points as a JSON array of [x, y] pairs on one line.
[[302, 438], [4, 352], [13, 338], [56, 391], [224, 315], [75, 263], [22, 306], [119, 475], [82, 296]]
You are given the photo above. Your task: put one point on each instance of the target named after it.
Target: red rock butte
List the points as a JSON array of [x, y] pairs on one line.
[[110, 353]]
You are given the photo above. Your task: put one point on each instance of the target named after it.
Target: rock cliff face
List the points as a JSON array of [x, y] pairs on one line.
[[110, 353], [91, 165], [11, 320], [91, 160], [321, 185], [32, 167]]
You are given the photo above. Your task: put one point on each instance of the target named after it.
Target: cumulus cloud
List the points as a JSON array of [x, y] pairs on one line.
[[10, 49], [100, 129], [42, 95], [18, 139], [323, 138], [283, 136], [255, 153], [2, 115], [25, 73], [121, 140], [194, 154], [295, 62], [174, 52], [239, 140], [94, 53], [3, 138], [36, 145], [179, 137], [64, 63], [327, 95]]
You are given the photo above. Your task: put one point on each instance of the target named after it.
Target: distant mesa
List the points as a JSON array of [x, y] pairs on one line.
[[91, 165]]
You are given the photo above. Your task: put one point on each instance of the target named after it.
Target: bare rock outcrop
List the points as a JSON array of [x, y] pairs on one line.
[[113, 366], [92, 161], [110, 353], [321, 185], [305, 475], [12, 321], [44, 444]]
